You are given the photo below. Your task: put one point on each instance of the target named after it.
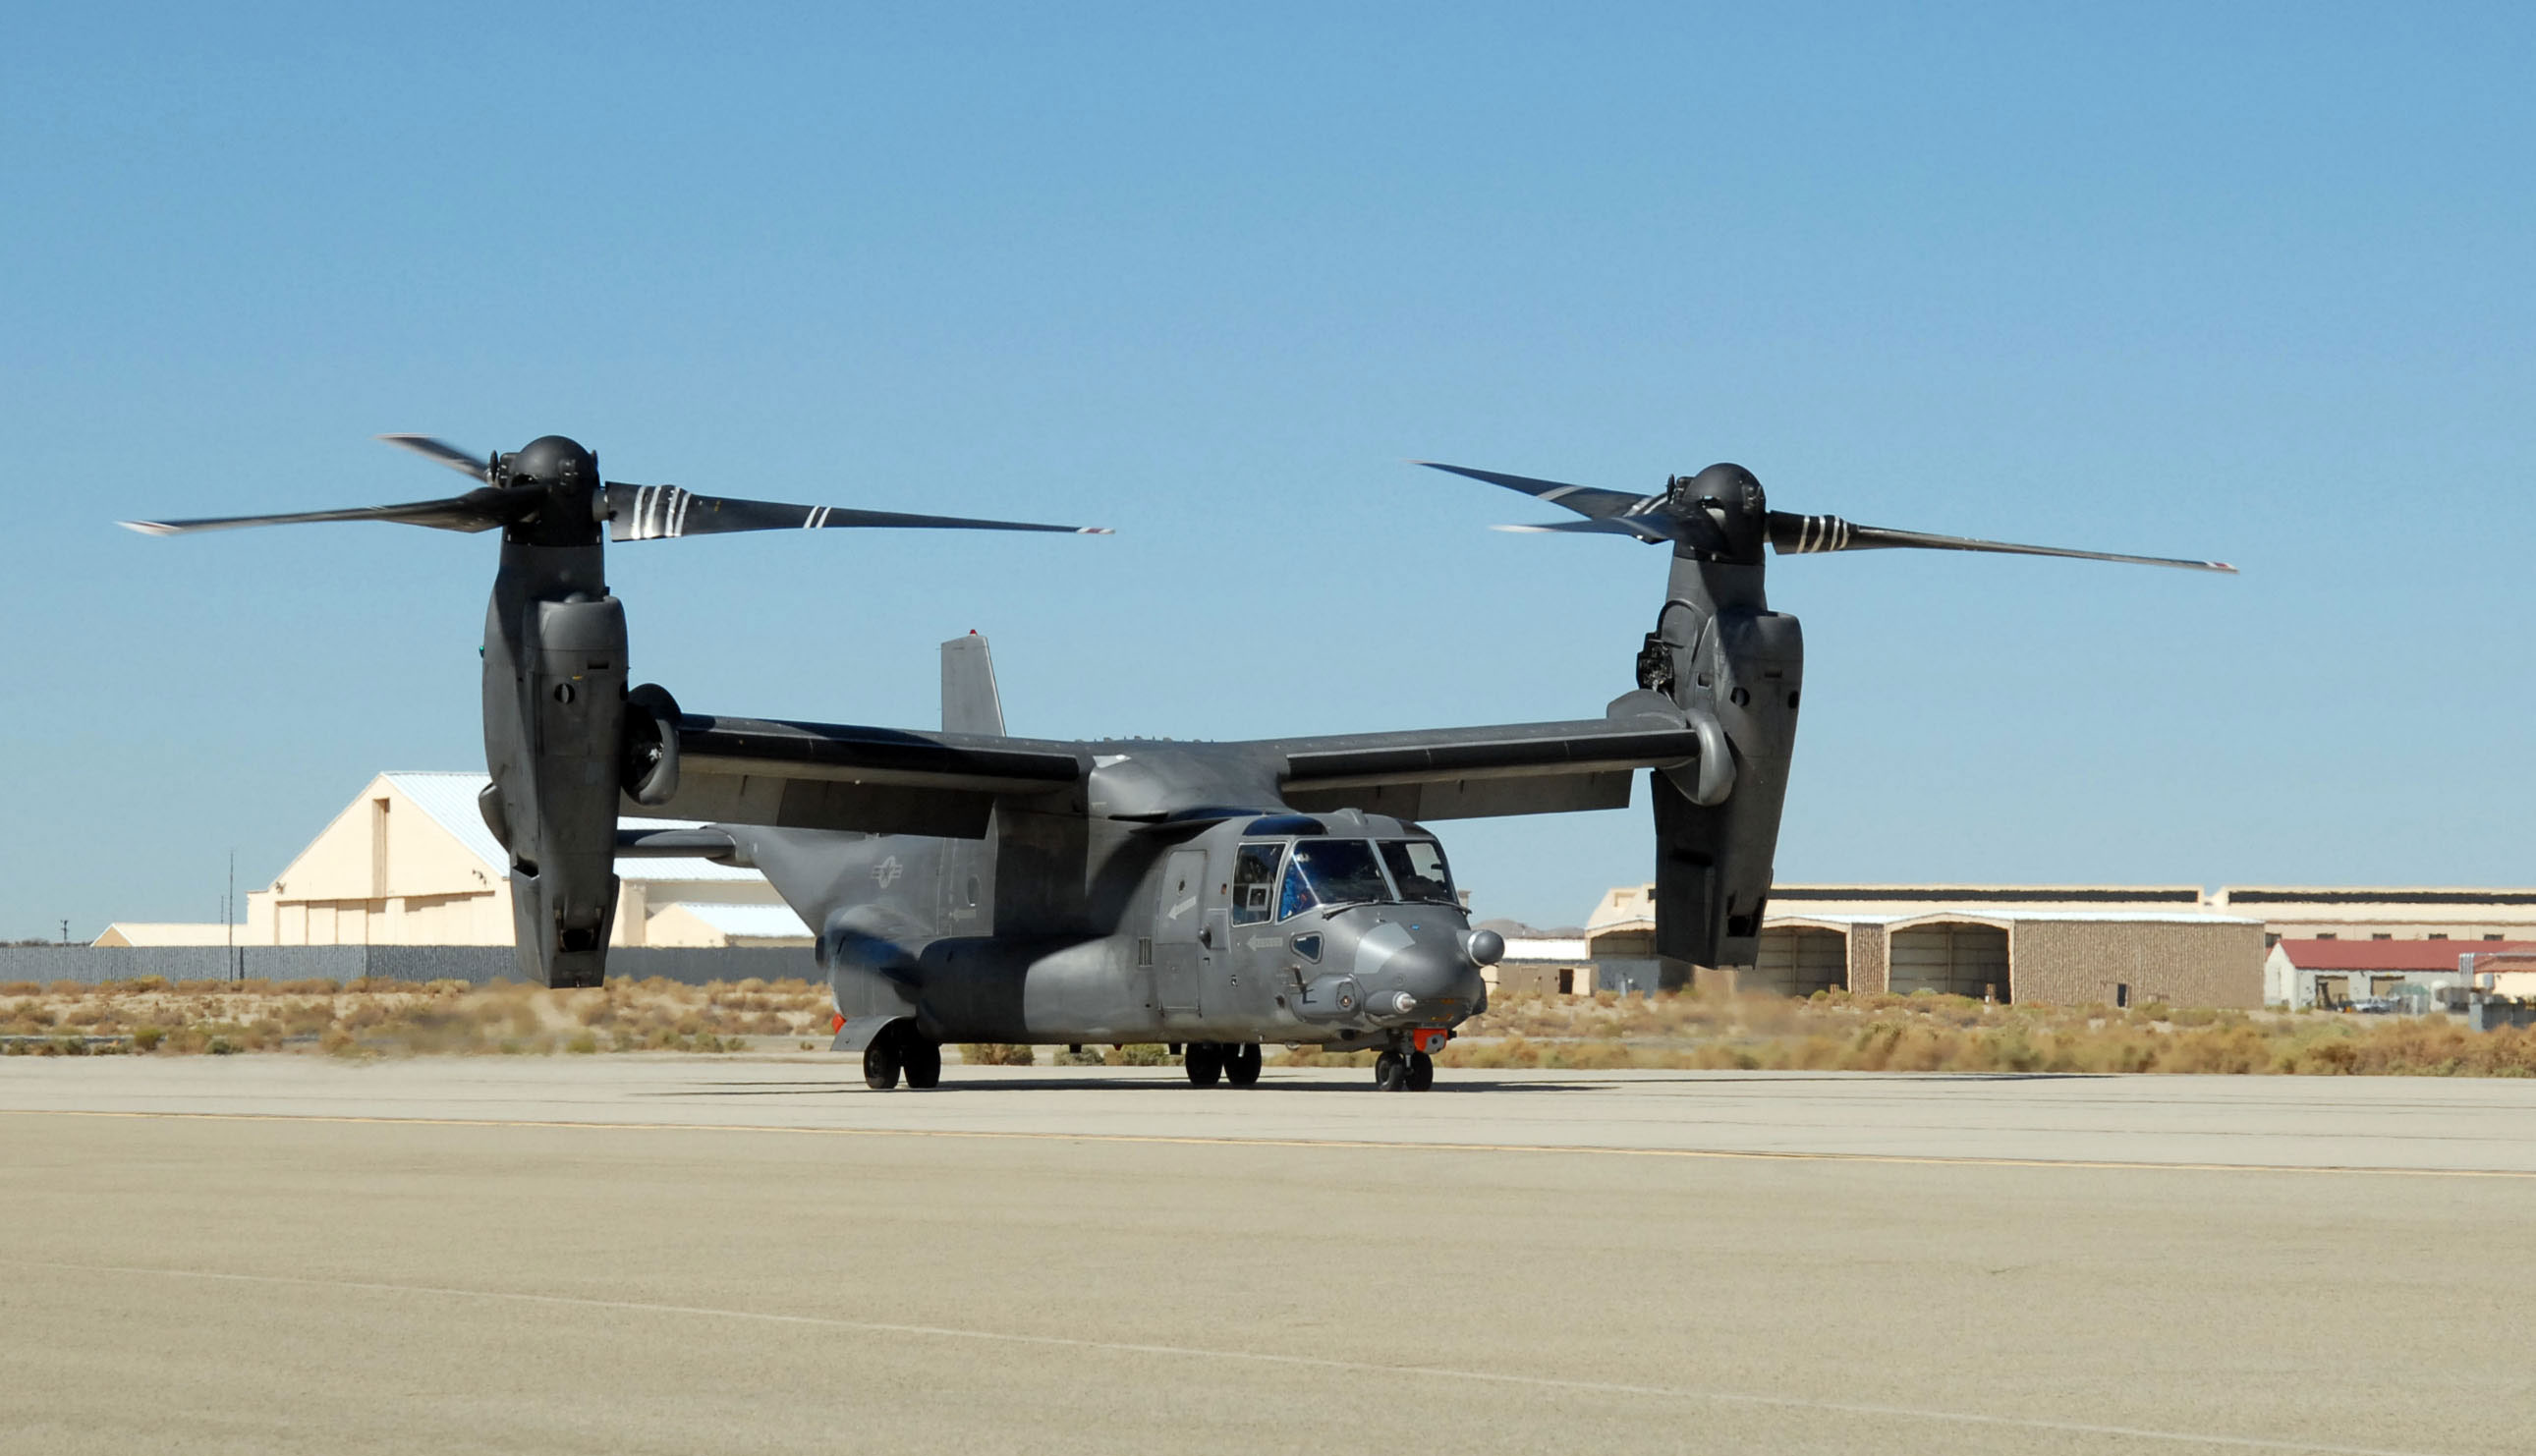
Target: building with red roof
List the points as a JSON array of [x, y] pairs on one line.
[[2332, 971]]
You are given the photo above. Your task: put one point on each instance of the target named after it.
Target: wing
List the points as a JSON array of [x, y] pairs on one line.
[[892, 781], [1526, 768], [832, 776]]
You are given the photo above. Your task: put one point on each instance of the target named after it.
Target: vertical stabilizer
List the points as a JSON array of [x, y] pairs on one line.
[[970, 702]]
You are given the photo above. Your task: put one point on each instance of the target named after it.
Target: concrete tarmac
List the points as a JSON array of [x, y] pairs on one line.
[[674, 1254]]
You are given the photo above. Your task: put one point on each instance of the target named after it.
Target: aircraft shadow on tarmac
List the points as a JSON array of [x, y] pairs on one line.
[[1042, 1084]]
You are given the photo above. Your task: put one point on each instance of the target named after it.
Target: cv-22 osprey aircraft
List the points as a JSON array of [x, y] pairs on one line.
[[970, 886]]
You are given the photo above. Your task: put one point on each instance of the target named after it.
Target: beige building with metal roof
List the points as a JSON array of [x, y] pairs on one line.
[[409, 862], [2082, 944]]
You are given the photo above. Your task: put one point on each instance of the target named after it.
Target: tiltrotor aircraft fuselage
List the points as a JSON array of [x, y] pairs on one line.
[[970, 886]]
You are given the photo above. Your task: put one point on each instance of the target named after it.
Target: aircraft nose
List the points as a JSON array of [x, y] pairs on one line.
[[1414, 970], [1427, 980]]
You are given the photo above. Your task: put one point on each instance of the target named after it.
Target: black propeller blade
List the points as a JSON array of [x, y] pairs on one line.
[[632, 512], [446, 454], [1671, 516], [663, 512], [1798, 535], [1642, 516], [476, 510]]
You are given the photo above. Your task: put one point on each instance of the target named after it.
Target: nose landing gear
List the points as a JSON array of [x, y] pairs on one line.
[[1399, 1071], [1408, 1065]]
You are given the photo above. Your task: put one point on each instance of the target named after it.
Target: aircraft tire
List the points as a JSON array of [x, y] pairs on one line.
[[922, 1060], [1241, 1066], [1391, 1072], [1205, 1063], [1422, 1071], [881, 1063]]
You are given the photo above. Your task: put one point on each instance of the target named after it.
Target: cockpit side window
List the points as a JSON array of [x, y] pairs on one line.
[[1297, 896], [1254, 880], [1332, 871], [1417, 867]]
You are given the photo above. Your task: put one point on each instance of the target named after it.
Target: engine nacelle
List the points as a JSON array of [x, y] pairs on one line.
[[1720, 652], [554, 739]]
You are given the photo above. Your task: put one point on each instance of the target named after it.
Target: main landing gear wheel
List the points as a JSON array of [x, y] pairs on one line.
[[1391, 1072], [1205, 1063], [922, 1056], [902, 1048], [1422, 1071], [881, 1063], [1242, 1064]]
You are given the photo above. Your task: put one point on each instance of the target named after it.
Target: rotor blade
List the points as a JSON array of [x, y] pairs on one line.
[[1644, 528], [1584, 500], [658, 511], [1794, 534], [476, 510], [444, 453]]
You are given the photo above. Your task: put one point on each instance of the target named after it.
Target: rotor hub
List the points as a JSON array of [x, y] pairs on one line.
[[568, 476], [1732, 499]]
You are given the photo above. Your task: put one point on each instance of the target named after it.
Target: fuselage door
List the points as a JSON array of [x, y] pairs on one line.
[[1178, 913]]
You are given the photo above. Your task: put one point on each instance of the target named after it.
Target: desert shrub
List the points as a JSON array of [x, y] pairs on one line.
[[1139, 1055], [21, 988], [1078, 1056], [147, 1038], [1332, 1056], [582, 1044], [998, 1054]]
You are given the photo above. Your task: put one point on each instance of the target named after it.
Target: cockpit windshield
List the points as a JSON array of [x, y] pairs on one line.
[[1417, 867], [1330, 871]]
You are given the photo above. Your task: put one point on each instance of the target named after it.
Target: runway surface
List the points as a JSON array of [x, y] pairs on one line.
[[654, 1254]]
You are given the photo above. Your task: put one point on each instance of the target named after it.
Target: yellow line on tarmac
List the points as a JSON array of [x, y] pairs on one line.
[[1907, 1159]]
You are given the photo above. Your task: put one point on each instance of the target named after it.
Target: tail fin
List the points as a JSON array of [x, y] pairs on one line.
[[969, 703]]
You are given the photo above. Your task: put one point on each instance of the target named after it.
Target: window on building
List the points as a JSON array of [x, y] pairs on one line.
[[2491, 937], [2326, 935], [2439, 935], [2381, 936]]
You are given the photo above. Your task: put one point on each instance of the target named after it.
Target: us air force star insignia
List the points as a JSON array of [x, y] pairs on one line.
[[886, 873]]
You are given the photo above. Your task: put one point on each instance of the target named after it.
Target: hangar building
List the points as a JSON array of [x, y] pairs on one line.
[[2065, 944], [2114, 944], [410, 862]]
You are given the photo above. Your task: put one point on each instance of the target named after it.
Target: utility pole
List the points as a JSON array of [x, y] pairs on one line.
[[66, 932], [229, 922]]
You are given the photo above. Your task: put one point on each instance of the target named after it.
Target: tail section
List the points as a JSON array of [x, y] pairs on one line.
[[970, 702]]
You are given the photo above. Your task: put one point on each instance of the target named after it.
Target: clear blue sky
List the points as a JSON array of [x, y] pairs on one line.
[[2248, 281]]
